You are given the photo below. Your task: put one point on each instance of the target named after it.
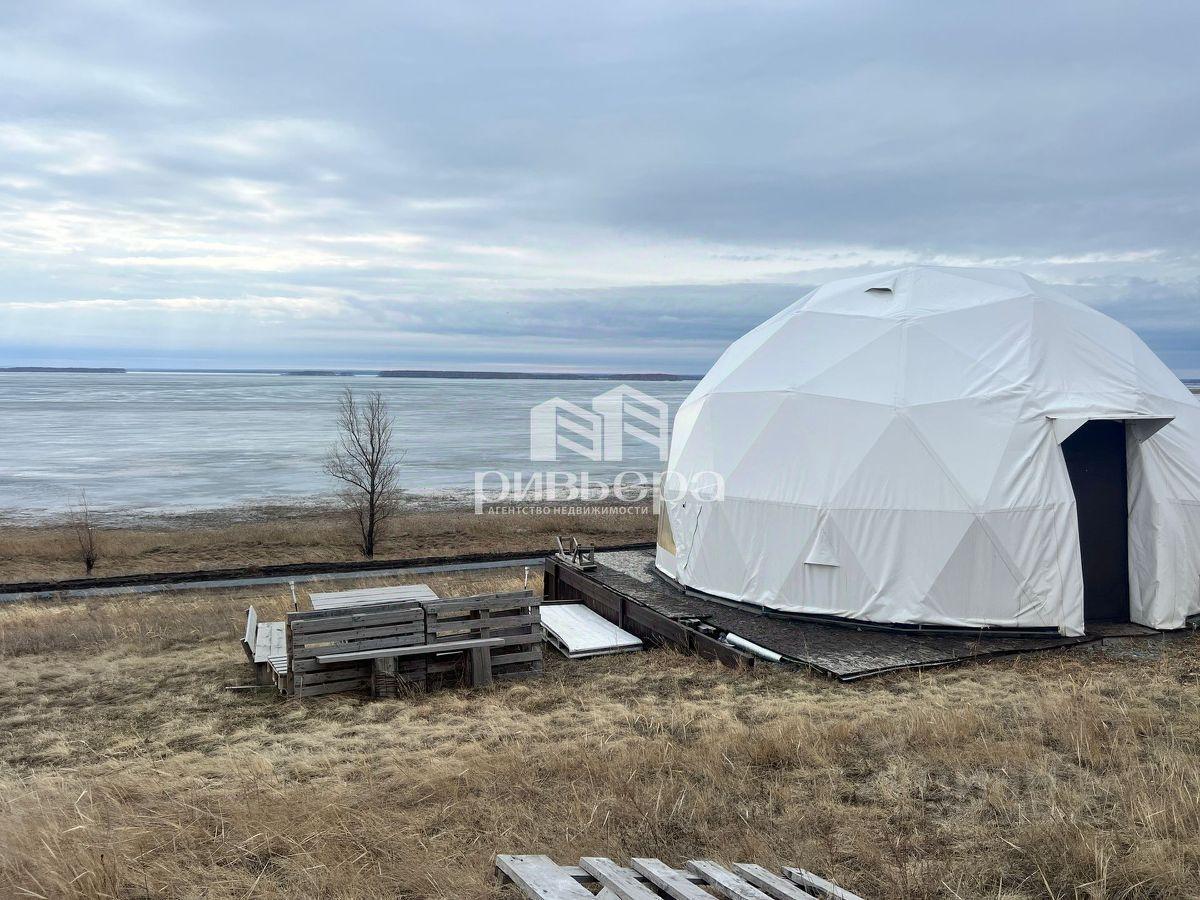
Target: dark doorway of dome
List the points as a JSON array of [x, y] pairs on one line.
[[1095, 456]]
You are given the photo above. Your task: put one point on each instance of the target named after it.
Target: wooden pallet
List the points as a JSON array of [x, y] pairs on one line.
[[540, 878], [372, 596], [321, 632], [515, 617]]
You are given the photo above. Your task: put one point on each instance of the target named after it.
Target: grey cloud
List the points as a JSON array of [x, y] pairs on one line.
[[657, 169]]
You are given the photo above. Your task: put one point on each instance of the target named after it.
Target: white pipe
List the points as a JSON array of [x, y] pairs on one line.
[[750, 647]]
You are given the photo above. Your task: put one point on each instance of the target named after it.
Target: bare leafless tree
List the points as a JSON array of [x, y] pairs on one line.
[[85, 533], [367, 465]]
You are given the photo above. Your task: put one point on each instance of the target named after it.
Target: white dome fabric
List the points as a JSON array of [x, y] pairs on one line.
[[890, 452]]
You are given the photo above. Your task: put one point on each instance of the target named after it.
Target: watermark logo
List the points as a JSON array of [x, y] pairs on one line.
[[598, 434], [559, 429]]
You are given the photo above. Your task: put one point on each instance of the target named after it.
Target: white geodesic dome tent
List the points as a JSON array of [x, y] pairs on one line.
[[890, 448]]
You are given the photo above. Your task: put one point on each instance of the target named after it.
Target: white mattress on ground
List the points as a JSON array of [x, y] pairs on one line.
[[577, 631]]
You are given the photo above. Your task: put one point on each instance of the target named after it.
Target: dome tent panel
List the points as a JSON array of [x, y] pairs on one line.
[[960, 510], [867, 374], [899, 472], [739, 420], [806, 474], [902, 552], [971, 456], [994, 339], [817, 344]]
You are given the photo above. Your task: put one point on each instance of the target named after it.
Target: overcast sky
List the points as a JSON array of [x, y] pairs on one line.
[[628, 186]]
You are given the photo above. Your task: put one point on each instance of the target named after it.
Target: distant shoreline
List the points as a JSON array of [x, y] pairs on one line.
[[537, 376], [461, 374], [72, 370]]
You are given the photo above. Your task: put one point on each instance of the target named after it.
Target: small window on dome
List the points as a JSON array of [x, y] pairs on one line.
[[879, 290]]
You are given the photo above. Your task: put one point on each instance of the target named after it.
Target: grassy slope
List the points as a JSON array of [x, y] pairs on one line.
[[126, 768], [29, 553]]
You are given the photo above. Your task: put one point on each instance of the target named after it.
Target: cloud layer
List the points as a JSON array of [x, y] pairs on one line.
[[626, 186]]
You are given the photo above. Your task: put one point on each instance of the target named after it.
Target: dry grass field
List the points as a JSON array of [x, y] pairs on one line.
[[127, 769], [285, 535]]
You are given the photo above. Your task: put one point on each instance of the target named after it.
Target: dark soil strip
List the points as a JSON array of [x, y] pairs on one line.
[[311, 568]]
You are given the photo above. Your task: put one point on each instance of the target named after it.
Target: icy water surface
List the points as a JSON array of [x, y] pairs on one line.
[[171, 442]]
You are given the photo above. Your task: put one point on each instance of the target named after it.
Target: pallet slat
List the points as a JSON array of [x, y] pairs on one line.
[[483, 601], [621, 881], [725, 882], [306, 623], [538, 876], [448, 631], [371, 596], [413, 650], [672, 883], [770, 883], [333, 687], [816, 883], [366, 631]]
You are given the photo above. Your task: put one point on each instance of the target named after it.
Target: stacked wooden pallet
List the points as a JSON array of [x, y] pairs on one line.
[[650, 879], [383, 647], [339, 631], [514, 618]]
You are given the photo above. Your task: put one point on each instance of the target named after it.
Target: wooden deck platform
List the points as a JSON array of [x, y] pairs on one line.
[[624, 588]]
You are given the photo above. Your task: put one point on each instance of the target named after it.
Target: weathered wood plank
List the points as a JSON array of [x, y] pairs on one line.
[[621, 881], [393, 640], [368, 596], [816, 883], [490, 601], [415, 650], [305, 666], [262, 642], [514, 658], [584, 877], [303, 623], [355, 673], [353, 634], [251, 628], [333, 687], [539, 877], [672, 883], [770, 883], [440, 628], [725, 882], [276, 640], [481, 666]]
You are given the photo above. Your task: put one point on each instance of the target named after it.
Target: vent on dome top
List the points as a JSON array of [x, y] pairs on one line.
[[879, 290]]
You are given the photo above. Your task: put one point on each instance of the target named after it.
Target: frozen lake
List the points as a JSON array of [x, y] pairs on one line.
[[160, 443]]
